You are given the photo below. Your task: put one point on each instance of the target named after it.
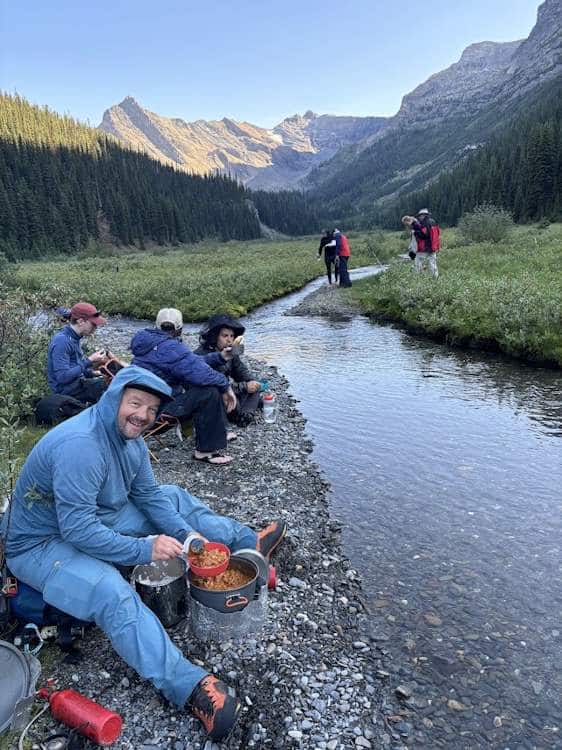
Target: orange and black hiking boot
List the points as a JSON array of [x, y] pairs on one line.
[[213, 705], [270, 537]]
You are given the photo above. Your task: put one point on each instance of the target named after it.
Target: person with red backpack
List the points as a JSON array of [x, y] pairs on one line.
[[342, 253], [428, 238]]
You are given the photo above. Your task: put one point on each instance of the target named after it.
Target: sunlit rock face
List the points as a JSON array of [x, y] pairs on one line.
[[258, 157]]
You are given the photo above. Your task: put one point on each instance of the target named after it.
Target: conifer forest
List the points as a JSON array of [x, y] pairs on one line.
[[63, 184]]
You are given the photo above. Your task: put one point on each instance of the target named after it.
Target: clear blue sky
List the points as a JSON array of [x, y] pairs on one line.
[[251, 60]]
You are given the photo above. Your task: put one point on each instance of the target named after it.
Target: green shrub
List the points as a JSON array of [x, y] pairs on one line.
[[510, 294], [487, 223], [25, 332], [23, 351]]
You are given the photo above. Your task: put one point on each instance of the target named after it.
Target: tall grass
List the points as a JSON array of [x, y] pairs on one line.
[[200, 280], [506, 295]]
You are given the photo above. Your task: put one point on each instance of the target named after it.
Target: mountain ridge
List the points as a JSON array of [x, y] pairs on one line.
[[442, 120], [330, 155], [258, 157]]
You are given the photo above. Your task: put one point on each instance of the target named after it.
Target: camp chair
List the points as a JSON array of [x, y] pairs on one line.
[[109, 370], [164, 422]]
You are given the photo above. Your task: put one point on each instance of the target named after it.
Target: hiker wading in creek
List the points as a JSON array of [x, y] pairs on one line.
[[86, 499]]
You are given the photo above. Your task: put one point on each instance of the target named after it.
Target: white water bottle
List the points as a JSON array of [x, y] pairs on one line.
[[269, 407]]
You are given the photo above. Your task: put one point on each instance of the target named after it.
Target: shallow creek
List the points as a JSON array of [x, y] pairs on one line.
[[446, 472]]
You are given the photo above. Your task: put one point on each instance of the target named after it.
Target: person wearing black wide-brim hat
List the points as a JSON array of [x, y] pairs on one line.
[[217, 334]]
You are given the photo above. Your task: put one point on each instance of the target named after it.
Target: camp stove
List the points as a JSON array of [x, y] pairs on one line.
[[231, 615], [210, 625], [212, 615]]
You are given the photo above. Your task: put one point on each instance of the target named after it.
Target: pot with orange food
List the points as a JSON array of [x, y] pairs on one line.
[[230, 591]]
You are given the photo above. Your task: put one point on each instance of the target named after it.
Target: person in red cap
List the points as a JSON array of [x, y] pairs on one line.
[[69, 372]]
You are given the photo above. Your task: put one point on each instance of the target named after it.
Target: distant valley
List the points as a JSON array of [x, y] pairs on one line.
[[352, 163]]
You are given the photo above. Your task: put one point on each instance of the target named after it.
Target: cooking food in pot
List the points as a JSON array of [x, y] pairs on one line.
[[230, 579]]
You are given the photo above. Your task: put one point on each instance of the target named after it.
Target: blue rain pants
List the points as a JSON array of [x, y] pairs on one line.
[[92, 590]]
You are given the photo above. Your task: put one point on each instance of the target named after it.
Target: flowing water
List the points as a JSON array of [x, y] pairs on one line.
[[446, 470]]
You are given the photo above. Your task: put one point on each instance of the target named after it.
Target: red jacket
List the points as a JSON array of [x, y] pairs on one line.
[[427, 234], [342, 246]]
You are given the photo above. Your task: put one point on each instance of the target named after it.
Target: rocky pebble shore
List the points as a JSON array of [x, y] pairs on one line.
[[312, 677], [329, 301]]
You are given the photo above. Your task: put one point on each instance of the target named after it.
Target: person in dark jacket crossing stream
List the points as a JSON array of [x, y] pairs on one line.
[[328, 247], [199, 390], [218, 335]]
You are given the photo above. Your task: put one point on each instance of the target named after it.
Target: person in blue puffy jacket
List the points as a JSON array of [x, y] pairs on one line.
[[200, 392], [69, 371], [85, 501]]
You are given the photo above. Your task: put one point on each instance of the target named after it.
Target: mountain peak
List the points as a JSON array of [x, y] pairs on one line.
[[129, 101], [489, 52]]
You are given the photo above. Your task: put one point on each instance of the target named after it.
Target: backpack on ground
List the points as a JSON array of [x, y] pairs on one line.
[[57, 407]]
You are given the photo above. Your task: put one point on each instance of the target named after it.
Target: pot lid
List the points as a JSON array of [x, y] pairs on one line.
[[15, 678], [252, 555]]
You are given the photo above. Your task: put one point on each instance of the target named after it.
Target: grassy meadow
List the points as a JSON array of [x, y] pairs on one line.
[[505, 296], [200, 280]]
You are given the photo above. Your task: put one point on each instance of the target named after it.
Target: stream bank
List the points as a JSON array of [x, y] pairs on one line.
[[309, 680], [444, 467]]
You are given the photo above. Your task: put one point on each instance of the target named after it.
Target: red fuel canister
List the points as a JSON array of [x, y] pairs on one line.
[[271, 578], [87, 717]]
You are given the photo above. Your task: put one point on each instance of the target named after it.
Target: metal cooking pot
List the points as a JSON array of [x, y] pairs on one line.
[[231, 600], [163, 588]]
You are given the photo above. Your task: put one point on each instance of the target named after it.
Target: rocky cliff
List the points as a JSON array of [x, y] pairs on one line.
[[452, 112], [258, 157], [465, 87], [443, 119]]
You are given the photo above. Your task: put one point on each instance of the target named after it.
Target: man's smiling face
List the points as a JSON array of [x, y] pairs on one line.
[[137, 412]]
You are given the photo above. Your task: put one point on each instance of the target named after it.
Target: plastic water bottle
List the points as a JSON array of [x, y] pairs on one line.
[[269, 407]]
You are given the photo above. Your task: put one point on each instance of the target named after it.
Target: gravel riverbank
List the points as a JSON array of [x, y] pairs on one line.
[[312, 677], [329, 301]]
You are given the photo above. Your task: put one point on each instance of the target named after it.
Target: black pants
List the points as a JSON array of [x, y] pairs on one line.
[[344, 273], [246, 406], [331, 264], [89, 390], [205, 406]]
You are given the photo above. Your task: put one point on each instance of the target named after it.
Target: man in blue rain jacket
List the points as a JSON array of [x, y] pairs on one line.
[[87, 498]]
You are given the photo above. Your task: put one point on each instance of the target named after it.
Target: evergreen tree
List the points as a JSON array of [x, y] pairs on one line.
[[62, 184]]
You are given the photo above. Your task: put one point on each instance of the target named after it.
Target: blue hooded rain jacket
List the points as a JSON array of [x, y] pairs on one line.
[[113, 472]]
